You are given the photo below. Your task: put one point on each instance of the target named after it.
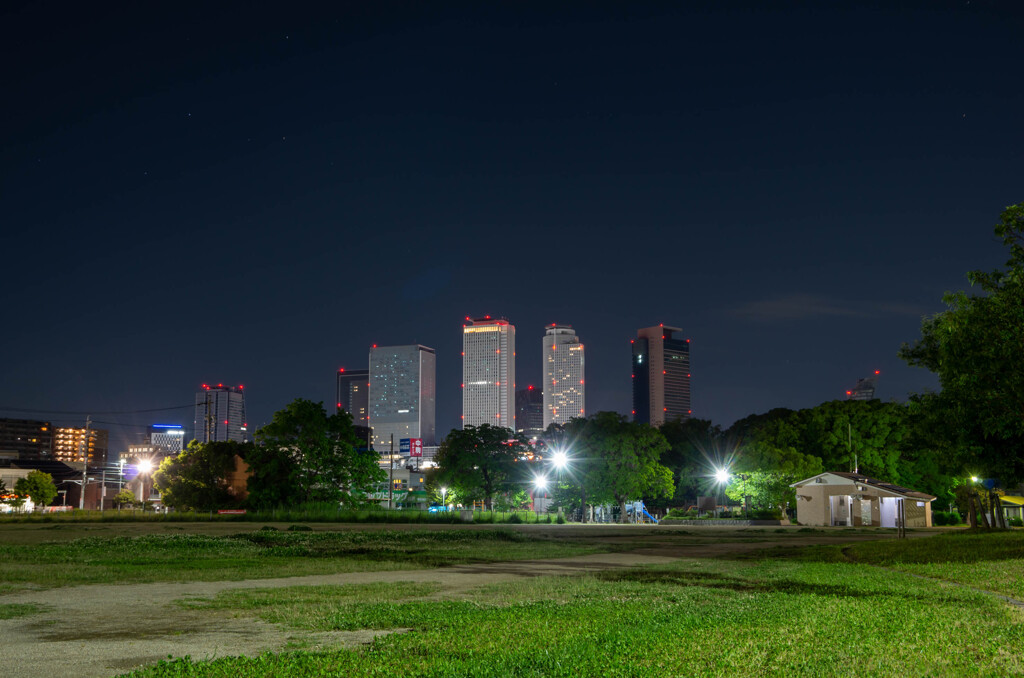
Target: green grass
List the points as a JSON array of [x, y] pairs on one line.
[[315, 513], [767, 617], [12, 610], [992, 561], [260, 554]]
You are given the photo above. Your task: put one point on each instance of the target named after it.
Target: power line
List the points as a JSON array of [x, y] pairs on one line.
[[22, 410]]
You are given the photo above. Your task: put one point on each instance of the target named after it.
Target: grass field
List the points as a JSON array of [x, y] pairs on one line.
[[260, 554], [813, 614]]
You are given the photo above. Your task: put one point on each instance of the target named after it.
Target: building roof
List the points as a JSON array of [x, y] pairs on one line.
[[57, 469], [1016, 501], [857, 478]]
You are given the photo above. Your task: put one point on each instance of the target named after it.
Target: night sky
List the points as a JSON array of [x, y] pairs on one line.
[[255, 195]]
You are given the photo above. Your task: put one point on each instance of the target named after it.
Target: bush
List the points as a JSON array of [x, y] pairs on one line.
[[945, 518], [766, 514], [514, 518], [300, 528], [560, 519], [1015, 522]]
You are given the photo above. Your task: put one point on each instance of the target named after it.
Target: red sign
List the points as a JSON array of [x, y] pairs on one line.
[[231, 511], [415, 447]]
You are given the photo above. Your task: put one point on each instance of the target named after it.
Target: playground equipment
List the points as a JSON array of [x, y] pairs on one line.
[[638, 513]]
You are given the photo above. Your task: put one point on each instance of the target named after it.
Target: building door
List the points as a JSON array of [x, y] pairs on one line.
[[840, 506]]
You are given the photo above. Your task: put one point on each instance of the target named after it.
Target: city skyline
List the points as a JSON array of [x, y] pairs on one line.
[[754, 174]]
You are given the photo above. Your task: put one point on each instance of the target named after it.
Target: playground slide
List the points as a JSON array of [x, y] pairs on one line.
[[649, 516]]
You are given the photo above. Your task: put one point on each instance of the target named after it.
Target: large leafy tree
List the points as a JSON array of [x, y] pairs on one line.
[[621, 459], [764, 473], [696, 447], [304, 455], [196, 478], [37, 485], [975, 347], [481, 461]]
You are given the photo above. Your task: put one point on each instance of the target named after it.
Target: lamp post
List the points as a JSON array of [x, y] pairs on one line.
[[560, 460], [722, 478], [540, 484], [144, 466], [444, 492]]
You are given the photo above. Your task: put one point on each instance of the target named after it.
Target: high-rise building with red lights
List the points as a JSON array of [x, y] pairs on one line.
[[563, 375], [353, 394], [661, 376], [489, 372], [220, 414], [865, 388]]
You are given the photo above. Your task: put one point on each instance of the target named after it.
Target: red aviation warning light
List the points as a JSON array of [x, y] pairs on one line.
[[878, 371]]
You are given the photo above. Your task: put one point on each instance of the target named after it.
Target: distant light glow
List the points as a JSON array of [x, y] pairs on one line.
[[560, 459], [722, 475], [541, 483]]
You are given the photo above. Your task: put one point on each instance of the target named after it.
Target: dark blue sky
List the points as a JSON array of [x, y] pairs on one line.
[[254, 195]]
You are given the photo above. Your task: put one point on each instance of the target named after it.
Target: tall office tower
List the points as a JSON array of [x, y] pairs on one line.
[[70, 444], [530, 412], [865, 388], [170, 438], [220, 414], [402, 395], [661, 376], [26, 438], [489, 372], [354, 393], [563, 375]]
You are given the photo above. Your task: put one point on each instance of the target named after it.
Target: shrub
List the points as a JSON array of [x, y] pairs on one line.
[[514, 518], [1015, 522], [766, 514], [268, 528], [560, 519], [300, 528], [945, 518]]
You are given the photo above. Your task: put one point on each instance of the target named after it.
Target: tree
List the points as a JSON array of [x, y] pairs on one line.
[[37, 485], [124, 498], [621, 459], [197, 477], [480, 461], [304, 455], [974, 347], [764, 473], [695, 447]]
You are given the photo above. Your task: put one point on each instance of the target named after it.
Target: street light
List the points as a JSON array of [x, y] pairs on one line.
[[722, 478], [560, 460], [540, 484], [444, 492]]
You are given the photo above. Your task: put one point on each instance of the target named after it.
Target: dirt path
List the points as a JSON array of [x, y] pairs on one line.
[[104, 630]]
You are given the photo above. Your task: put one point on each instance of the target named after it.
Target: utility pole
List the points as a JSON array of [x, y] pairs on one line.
[[391, 474], [84, 447]]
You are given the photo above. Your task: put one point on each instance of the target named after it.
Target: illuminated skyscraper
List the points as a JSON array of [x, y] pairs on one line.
[[402, 395], [563, 375], [354, 393], [661, 376], [489, 372], [220, 414]]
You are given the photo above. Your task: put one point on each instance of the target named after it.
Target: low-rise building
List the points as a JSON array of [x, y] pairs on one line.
[[852, 499]]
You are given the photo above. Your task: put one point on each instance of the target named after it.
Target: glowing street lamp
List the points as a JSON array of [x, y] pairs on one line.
[[722, 478], [560, 459], [540, 484], [444, 493]]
